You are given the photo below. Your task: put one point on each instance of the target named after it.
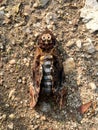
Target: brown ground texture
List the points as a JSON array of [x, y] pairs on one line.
[[21, 21]]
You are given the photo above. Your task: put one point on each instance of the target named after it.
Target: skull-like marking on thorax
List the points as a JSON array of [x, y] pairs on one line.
[[46, 40]]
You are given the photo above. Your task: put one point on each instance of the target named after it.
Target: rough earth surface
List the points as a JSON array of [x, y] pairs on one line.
[[21, 21]]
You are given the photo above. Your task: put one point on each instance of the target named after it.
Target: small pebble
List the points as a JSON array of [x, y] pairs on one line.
[[11, 116], [43, 2], [92, 85], [24, 80], [36, 34], [2, 47], [19, 80], [43, 118], [37, 115], [1, 81], [70, 43], [13, 61], [35, 5], [1, 73], [89, 47], [78, 43], [11, 125], [3, 117], [69, 65], [11, 94], [50, 17], [1, 13], [50, 26], [70, 22], [7, 105]]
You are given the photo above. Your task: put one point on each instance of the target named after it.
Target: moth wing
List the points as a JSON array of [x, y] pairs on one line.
[[59, 90], [58, 68], [36, 77]]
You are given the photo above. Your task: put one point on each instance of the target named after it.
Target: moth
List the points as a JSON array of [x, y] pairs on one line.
[[47, 73]]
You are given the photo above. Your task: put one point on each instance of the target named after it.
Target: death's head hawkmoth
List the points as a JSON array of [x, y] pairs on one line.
[[47, 73]]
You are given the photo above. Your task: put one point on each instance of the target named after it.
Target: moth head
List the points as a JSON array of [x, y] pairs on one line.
[[46, 40]]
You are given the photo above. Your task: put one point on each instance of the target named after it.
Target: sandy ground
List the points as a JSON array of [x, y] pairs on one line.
[[21, 21]]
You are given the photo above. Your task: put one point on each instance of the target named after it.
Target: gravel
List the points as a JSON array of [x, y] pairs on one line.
[[20, 24]]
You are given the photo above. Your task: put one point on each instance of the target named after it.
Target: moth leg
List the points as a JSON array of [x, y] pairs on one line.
[[32, 94], [62, 95]]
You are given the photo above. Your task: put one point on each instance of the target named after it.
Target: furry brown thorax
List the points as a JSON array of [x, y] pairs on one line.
[[46, 40]]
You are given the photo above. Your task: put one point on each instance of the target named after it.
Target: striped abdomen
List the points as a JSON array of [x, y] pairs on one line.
[[47, 68]]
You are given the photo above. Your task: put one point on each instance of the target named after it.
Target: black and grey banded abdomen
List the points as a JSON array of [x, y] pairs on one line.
[[47, 68]]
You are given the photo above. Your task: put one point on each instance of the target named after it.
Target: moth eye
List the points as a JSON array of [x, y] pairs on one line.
[[48, 36], [43, 38]]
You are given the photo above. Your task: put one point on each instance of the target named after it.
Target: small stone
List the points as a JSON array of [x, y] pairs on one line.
[[19, 80], [2, 46], [1, 81], [50, 17], [97, 73], [35, 5], [69, 65], [8, 15], [13, 61], [3, 117], [31, 43], [11, 125], [25, 60], [96, 47], [43, 118], [11, 116], [92, 85], [15, 8], [6, 20], [1, 13], [27, 64], [89, 47], [27, 10], [2, 7], [70, 43], [7, 105], [79, 78], [23, 80], [37, 116], [78, 43], [43, 2], [89, 14], [70, 22], [11, 94], [50, 26], [36, 34], [28, 31], [96, 63], [1, 73]]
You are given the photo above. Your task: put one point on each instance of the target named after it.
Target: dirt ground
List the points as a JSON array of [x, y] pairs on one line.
[[21, 21]]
